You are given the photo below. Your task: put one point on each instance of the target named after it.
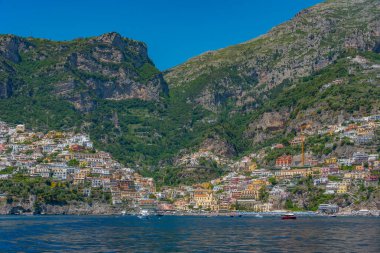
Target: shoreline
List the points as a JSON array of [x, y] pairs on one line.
[[374, 213]]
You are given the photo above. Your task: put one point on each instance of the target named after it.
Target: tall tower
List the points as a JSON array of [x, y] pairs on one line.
[[303, 152]]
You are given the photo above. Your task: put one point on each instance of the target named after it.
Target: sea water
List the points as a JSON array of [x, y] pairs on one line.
[[188, 234]]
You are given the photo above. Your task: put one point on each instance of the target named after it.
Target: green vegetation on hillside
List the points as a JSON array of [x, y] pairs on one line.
[[40, 112], [152, 133], [47, 191], [107, 86]]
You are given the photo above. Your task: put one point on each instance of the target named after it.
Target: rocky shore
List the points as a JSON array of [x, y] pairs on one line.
[[106, 209], [71, 209]]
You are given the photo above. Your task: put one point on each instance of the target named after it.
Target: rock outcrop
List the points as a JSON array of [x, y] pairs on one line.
[[81, 71], [68, 209], [218, 147]]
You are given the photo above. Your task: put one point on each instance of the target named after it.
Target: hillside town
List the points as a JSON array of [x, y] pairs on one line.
[[342, 183], [338, 177]]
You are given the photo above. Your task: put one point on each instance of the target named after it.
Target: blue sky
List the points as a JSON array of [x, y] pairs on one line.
[[175, 30]]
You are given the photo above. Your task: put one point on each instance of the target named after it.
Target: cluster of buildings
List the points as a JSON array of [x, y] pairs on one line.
[[252, 187], [357, 158], [66, 156], [232, 191], [267, 189], [358, 130]]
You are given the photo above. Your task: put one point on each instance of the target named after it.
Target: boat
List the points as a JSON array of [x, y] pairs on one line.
[[288, 216], [363, 212], [259, 216], [144, 214]]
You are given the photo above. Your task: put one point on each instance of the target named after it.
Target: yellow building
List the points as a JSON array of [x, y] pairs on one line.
[[181, 205], [68, 156], [342, 188], [265, 207], [363, 131], [356, 175], [250, 194], [54, 135], [80, 177], [359, 167], [293, 173], [331, 160], [253, 166], [205, 198], [254, 205], [257, 184], [224, 206]]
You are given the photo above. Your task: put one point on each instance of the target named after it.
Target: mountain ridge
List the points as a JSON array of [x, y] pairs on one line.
[[106, 66], [271, 58], [313, 70]]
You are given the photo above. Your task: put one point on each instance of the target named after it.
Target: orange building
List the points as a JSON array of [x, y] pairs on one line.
[[284, 161]]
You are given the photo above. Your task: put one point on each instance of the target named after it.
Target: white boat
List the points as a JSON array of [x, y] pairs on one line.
[[288, 216], [143, 214], [363, 212]]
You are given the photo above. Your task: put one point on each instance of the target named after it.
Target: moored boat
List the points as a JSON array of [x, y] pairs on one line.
[[288, 216], [144, 214]]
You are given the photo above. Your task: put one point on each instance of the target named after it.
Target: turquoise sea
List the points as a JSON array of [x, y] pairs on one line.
[[188, 234]]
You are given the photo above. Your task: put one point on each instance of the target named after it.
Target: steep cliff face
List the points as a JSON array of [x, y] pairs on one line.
[[312, 40], [9, 52], [79, 71], [6, 88], [10, 46]]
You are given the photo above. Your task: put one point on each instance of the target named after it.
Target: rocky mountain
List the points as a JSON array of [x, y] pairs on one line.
[[319, 68], [105, 85], [79, 71], [243, 74]]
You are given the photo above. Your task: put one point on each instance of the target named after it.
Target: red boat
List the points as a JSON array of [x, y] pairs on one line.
[[288, 216]]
